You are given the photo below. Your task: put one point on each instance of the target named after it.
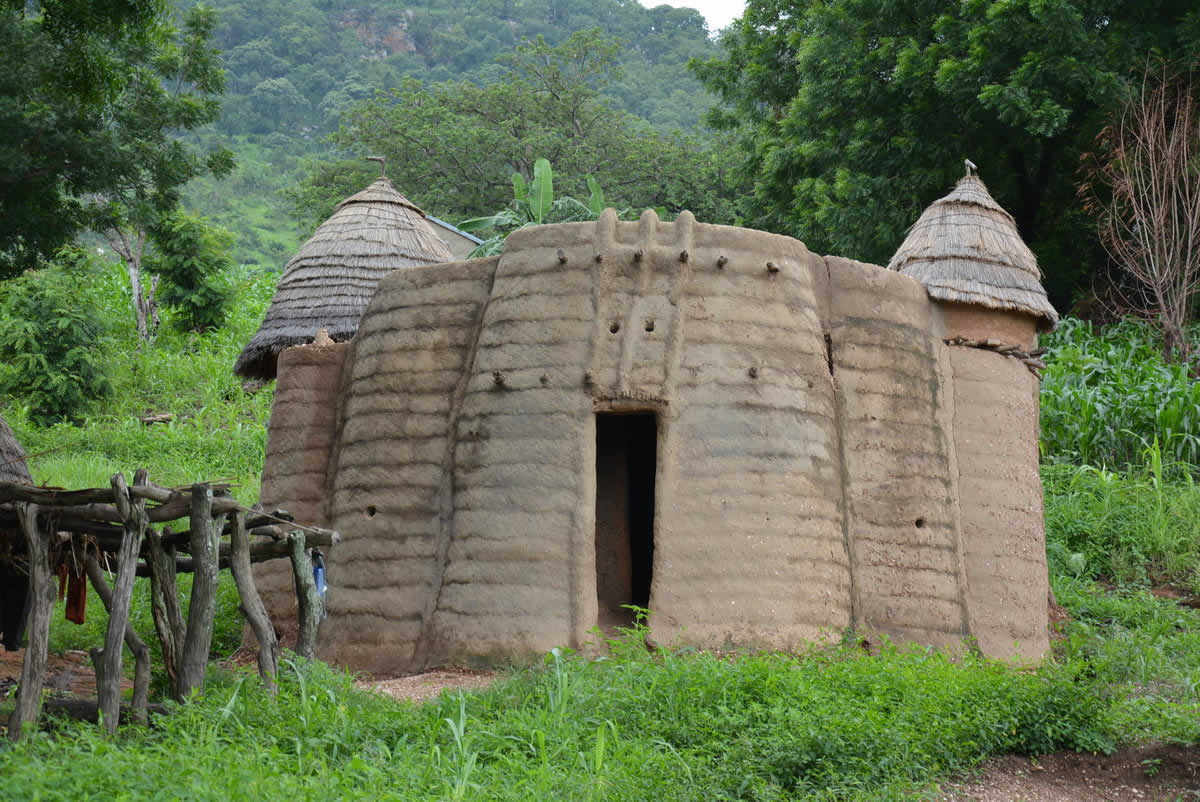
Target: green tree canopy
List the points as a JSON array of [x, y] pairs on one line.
[[90, 120], [853, 115], [454, 146]]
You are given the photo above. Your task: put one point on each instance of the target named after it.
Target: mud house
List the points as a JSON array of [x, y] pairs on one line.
[[760, 445]]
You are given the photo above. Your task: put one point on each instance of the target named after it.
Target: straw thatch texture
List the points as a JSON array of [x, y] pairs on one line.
[[12, 457], [329, 281], [965, 248]]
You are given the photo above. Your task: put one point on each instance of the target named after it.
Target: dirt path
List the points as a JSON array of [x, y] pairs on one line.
[[1141, 774]]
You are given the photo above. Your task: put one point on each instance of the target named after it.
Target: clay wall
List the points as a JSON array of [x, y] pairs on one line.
[[299, 445], [901, 511], [823, 458]]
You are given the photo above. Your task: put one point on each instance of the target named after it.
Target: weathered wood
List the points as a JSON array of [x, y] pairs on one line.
[[309, 601], [205, 533], [164, 605], [252, 605], [108, 676], [259, 552], [37, 625], [141, 653]]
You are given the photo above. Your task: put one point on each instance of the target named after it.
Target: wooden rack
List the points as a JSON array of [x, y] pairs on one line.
[[116, 525]]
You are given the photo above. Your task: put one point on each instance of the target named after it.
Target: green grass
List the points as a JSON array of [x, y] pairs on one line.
[[828, 725], [1134, 528]]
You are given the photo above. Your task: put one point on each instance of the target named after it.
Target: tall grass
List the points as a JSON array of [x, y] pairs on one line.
[[635, 726], [1132, 528], [1108, 395], [218, 430]]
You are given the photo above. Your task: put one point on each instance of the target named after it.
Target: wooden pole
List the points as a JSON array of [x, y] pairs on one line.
[[203, 607], [164, 604], [108, 675], [307, 598], [37, 625], [141, 654], [252, 605]]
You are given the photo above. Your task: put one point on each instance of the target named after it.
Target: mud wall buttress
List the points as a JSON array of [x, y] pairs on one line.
[[900, 502], [300, 439], [397, 428], [1004, 548]]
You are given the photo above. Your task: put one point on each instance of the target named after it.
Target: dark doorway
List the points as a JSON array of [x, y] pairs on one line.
[[626, 453]]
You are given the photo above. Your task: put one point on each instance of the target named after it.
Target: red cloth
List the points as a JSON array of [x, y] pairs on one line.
[[62, 580], [76, 599]]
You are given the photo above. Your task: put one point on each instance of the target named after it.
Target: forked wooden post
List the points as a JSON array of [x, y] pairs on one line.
[[141, 654], [164, 603], [37, 625], [307, 598], [108, 659], [252, 605], [205, 543]]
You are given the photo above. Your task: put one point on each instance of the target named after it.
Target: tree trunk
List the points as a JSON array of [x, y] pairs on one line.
[[205, 535], [37, 626], [307, 598], [108, 676], [164, 602], [141, 654], [252, 606]]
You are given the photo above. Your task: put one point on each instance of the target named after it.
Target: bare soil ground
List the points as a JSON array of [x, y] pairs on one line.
[[1136, 774]]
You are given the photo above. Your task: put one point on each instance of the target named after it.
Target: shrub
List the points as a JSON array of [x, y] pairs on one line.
[[191, 255], [52, 339]]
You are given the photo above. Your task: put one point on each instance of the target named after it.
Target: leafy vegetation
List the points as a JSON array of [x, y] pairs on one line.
[[218, 430], [854, 115], [50, 341], [1109, 399], [828, 725], [452, 146], [296, 68]]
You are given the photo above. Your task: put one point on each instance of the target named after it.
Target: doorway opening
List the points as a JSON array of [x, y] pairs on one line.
[[626, 456]]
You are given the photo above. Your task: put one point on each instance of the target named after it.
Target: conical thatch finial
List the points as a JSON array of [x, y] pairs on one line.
[[329, 281], [965, 248], [971, 166], [382, 164]]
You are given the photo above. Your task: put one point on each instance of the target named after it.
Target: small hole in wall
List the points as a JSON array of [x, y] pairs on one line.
[[920, 523], [615, 327], [649, 325], [371, 511]]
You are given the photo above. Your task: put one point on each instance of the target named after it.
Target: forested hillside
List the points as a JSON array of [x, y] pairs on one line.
[[295, 68]]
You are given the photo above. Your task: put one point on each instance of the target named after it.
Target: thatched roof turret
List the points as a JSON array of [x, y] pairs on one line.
[[329, 281], [965, 248]]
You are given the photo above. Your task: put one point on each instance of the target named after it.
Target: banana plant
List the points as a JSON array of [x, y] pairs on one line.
[[534, 204]]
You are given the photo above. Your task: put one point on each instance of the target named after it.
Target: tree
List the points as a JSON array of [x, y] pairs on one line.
[[67, 67], [175, 88], [1145, 189], [453, 146], [853, 115], [190, 256]]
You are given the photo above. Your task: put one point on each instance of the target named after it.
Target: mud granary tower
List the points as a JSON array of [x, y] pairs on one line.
[[760, 445]]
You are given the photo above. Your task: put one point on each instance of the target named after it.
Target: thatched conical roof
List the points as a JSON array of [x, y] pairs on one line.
[[329, 281], [12, 458], [966, 248]]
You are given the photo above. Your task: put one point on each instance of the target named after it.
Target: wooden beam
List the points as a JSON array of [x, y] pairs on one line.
[[308, 600], [205, 534], [37, 625], [108, 659], [252, 606]]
